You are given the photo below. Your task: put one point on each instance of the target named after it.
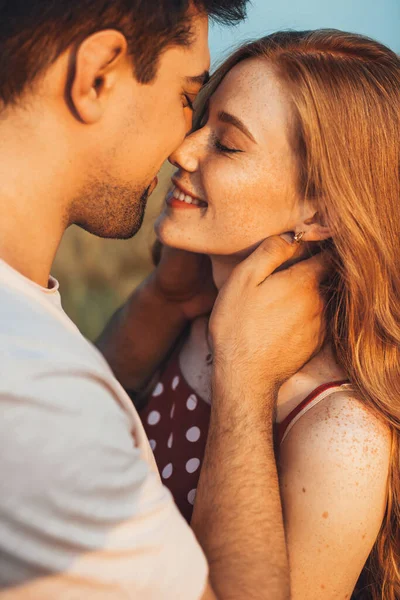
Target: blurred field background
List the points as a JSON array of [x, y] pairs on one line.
[[97, 275]]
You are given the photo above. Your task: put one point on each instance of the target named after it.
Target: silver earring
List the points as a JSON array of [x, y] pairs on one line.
[[298, 237]]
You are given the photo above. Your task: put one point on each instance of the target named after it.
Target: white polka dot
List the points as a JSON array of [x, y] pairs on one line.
[[167, 471], [193, 434], [153, 444], [172, 411], [191, 496], [153, 417], [158, 390], [191, 402], [170, 440], [175, 382], [192, 465]]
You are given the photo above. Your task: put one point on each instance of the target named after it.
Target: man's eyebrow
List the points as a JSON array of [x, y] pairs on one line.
[[225, 117], [199, 79]]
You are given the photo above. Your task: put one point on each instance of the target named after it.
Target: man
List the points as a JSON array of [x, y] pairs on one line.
[[94, 96]]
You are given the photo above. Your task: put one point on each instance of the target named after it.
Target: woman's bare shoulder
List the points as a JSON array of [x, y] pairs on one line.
[[333, 467], [345, 427]]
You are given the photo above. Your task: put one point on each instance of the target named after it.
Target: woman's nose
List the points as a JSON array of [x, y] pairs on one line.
[[187, 155]]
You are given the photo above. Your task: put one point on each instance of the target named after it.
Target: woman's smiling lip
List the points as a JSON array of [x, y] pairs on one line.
[[180, 197]]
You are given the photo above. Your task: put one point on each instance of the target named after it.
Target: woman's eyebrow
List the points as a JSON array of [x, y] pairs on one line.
[[225, 117]]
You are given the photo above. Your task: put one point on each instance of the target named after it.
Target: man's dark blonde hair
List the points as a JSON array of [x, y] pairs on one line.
[[33, 33]]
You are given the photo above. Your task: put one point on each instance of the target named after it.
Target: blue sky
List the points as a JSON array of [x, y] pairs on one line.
[[379, 19]]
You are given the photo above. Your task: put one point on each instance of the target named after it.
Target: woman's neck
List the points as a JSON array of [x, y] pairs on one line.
[[222, 267]]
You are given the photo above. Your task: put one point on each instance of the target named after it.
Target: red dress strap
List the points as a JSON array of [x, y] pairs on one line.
[[314, 397]]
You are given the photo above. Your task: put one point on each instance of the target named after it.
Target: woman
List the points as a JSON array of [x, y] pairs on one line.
[[299, 132]]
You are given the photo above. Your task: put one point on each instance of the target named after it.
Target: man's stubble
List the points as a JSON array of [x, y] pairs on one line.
[[110, 210]]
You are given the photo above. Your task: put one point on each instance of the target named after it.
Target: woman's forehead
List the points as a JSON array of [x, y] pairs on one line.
[[253, 92]]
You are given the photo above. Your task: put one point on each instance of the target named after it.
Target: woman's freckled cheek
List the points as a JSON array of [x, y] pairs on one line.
[[247, 204]]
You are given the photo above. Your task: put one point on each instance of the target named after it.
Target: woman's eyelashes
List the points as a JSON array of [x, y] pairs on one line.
[[220, 147]]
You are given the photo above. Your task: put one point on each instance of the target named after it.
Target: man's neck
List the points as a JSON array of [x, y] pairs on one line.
[[31, 253], [33, 192], [30, 228]]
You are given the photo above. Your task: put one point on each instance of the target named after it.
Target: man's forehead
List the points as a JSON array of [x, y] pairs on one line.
[[198, 53], [189, 63]]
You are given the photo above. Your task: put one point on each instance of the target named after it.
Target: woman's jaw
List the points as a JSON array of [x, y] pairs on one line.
[[190, 222]]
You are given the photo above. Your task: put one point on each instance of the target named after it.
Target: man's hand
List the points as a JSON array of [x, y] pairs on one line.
[[265, 326], [184, 278]]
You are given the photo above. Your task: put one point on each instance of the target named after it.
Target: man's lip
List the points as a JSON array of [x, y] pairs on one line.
[[186, 191], [153, 185]]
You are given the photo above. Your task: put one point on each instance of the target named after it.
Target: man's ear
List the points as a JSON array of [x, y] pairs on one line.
[[97, 64], [313, 226]]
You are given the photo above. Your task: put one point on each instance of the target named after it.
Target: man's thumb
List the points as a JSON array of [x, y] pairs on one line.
[[270, 254]]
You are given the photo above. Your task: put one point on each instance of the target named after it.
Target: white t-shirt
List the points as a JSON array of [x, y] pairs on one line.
[[83, 513]]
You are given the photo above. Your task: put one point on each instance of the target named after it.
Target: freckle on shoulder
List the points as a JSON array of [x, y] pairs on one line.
[[345, 406], [352, 419]]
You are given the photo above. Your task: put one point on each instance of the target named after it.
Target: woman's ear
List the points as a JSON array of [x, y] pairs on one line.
[[95, 73], [313, 227]]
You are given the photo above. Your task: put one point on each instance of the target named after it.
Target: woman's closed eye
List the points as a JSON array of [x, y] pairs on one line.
[[224, 147]]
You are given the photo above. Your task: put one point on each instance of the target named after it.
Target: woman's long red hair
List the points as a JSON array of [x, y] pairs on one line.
[[345, 92]]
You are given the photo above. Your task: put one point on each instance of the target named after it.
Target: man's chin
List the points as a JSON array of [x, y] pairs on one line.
[[132, 224], [112, 211], [124, 230], [121, 222]]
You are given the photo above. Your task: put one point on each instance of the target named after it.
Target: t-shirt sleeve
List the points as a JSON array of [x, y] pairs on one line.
[[82, 514]]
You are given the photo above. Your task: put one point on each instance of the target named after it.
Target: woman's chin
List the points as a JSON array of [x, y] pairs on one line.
[[169, 235]]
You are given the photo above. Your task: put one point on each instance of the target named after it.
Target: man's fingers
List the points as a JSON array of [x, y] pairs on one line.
[[270, 254]]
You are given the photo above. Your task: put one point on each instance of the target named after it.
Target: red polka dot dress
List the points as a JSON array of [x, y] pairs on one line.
[[176, 421]]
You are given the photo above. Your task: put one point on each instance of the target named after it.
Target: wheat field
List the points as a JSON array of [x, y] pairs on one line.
[[96, 275]]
